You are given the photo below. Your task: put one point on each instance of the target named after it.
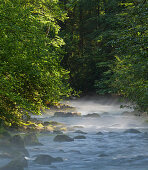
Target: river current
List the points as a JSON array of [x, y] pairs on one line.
[[112, 149]]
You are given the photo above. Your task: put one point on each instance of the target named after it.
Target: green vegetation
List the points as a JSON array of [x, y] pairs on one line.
[[99, 46], [30, 55], [107, 47], [131, 69]]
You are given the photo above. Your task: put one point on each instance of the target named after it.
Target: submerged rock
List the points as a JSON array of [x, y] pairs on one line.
[[47, 159], [16, 164], [67, 114], [31, 139], [79, 131], [63, 138], [94, 115], [132, 131], [80, 137]]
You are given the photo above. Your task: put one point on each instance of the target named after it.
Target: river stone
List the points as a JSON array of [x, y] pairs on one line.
[[63, 138], [132, 131], [16, 164], [31, 139], [80, 137], [94, 115], [57, 132], [17, 141], [53, 123], [99, 133], [79, 131], [67, 114], [47, 159], [17, 146]]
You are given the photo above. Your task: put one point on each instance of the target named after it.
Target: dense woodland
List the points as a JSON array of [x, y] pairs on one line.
[[50, 49]]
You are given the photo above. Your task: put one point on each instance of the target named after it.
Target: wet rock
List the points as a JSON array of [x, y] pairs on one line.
[[53, 123], [17, 141], [57, 132], [99, 133], [79, 127], [48, 128], [79, 131], [63, 138], [31, 139], [132, 131], [80, 137], [93, 115], [16, 164], [67, 114], [47, 159], [17, 146]]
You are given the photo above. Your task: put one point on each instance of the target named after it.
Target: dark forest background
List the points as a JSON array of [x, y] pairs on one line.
[[52, 49]]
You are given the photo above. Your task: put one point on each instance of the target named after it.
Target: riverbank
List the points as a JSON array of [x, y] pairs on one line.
[[63, 138]]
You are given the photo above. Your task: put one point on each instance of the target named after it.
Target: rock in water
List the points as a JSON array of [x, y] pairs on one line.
[[31, 139], [93, 115], [79, 137], [99, 133], [17, 141], [17, 164], [63, 138], [132, 131], [79, 131], [47, 159], [67, 114]]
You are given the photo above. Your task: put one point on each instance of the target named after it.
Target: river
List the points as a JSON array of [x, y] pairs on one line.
[[112, 149]]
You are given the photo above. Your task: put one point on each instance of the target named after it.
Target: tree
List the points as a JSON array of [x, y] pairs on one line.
[[88, 34], [131, 71], [30, 56]]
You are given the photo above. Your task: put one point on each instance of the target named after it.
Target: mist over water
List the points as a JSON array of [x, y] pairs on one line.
[[107, 146], [112, 116]]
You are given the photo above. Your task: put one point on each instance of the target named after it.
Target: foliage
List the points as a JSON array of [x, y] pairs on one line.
[[88, 35], [131, 71], [30, 55]]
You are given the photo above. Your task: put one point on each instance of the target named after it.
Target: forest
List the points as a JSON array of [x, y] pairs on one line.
[[54, 49]]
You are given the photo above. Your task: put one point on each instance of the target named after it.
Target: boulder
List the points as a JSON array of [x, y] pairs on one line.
[[57, 132], [99, 133], [132, 131], [79, 131], [31, 139], [63, 138], [77, 127], [47, 159], [67, 114], [17, 146], [16, 164], [93, 115], [17, 141], [80, 137], [53, 123]]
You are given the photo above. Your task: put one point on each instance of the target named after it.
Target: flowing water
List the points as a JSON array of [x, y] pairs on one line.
[[113, 149]]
